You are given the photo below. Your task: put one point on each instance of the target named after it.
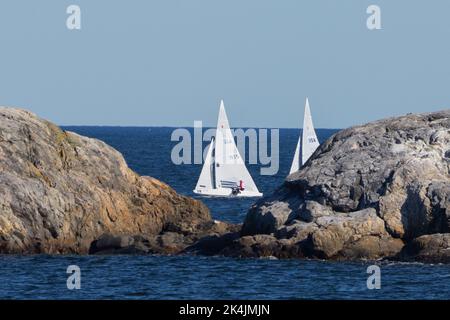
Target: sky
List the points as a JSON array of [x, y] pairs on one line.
[[169, 62]]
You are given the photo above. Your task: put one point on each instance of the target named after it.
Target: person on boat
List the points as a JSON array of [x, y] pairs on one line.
[[238, 188], [241, 185]]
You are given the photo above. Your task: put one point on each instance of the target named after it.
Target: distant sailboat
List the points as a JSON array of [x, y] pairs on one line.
[[224, 172], [307, 143]]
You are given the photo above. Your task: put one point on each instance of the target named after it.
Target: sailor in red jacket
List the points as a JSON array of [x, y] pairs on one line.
[[241, 185], [236, 190]]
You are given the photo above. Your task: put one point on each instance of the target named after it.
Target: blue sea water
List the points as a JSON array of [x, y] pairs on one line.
[[147, 151]]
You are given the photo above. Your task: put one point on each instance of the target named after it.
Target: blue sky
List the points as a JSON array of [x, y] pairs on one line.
[[169, 62]]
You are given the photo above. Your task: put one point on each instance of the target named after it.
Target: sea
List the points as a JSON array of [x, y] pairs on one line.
[[148, 151]]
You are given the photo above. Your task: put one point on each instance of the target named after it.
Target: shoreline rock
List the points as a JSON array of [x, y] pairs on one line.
[[63, 193], [375, 191], [433, 248], [166, 242]]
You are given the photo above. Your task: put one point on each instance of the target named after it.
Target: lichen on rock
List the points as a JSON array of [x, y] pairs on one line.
[[61, 192], [365, 193]]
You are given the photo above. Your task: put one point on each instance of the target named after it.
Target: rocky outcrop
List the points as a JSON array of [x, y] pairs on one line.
[[373, 191], [168, 241], [430, 248], [365, 193], [65, 193]]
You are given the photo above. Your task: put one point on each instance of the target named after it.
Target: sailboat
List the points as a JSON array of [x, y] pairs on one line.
[[224, 173], [307, 143]]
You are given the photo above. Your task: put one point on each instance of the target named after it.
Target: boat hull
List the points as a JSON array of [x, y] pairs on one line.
[[225, 192]]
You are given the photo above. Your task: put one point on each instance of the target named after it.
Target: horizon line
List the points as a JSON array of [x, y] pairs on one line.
[[179, 127]]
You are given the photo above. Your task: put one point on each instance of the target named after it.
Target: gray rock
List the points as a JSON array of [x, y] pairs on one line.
[[262, 246], [110, 244], [266, 217], [340, 234], [312, 210], [365, 192], [434, 248], [297, 231]]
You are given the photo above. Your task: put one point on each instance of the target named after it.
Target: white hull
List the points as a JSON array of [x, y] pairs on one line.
[[225, 192]]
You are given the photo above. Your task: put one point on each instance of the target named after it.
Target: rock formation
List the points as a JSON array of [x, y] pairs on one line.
[[379, 190], [65, 193], [365, 193]]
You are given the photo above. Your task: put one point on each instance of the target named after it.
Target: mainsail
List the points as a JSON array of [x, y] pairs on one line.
[[226, 169], [307, 143]]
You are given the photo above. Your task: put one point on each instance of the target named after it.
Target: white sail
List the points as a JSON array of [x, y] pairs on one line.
[[296, 161], [229, 169], [229, 165], [307, 143], [205, 181], [309, 138]]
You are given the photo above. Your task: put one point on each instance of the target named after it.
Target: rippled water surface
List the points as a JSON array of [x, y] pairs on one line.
[[147, 151], [186, 277]]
